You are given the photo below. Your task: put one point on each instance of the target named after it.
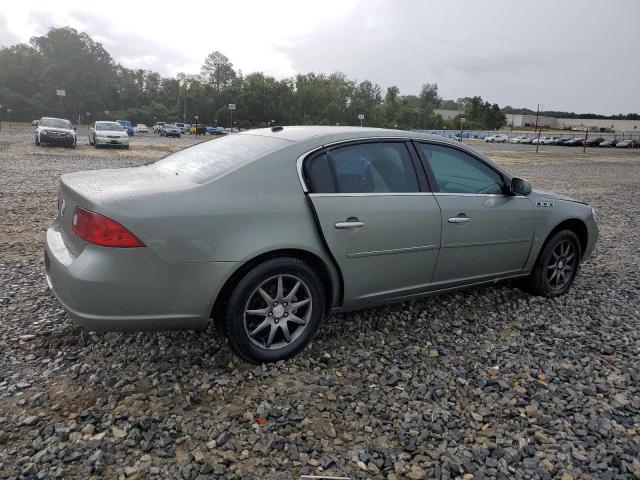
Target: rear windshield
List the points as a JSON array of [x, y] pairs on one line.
[[208, 160]]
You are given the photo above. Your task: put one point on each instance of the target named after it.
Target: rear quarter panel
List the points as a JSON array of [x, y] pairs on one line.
[[255, 209]]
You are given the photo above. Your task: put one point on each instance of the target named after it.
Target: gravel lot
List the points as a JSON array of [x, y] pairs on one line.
[[483, 383]]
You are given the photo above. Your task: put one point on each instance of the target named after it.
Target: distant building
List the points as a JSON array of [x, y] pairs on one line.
[[592, 124]]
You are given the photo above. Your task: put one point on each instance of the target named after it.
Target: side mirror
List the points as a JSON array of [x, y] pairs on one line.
[[520, 187]]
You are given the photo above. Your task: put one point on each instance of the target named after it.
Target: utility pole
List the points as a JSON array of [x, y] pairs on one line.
[[538, 142], [462, 119], [584, 143]]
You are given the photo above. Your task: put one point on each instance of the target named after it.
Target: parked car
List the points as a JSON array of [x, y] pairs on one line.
[[108, 134], [593, 142], [628, 144], [575, 142], [170, 130], [126, 124], [141, 128], [34, 123], [516, 139], [543, 140], [559, 140], [184, 127], [198, 129], [608, 143], [158, 126], [56, 131], [526, 140], [497, 137], [268, 230]]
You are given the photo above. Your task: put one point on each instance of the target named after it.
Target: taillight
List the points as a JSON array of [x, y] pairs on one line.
[[101, 230]]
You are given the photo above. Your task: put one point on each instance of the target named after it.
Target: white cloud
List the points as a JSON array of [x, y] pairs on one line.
[[568, 56]]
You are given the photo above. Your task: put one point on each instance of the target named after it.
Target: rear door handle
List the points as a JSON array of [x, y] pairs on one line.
[[459, 220], [349, 224]]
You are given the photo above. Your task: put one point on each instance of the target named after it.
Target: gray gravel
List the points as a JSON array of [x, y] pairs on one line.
[[486, 383]]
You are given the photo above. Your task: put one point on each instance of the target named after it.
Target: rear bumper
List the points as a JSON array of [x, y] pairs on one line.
[[131, 289]]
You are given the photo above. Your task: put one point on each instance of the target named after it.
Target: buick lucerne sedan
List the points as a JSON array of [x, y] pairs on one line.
[[266, 231]]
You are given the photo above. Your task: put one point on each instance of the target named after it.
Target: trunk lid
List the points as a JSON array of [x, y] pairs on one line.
[[110, 193]]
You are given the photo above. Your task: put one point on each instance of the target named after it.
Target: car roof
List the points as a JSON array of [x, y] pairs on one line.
[[322, 135]]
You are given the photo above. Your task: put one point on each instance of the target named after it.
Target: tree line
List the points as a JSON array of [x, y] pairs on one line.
[[96, 88]]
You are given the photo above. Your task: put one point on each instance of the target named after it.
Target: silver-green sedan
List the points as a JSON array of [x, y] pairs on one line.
[[268, 230]]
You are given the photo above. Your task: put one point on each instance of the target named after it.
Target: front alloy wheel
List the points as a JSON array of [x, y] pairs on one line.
[[274, 310], [556, 266], [561, 265]]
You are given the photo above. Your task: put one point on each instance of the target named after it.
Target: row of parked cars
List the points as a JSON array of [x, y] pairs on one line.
[[574, 141]]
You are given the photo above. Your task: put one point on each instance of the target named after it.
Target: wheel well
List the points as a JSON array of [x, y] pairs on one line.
[[576, 226], [315, 262]]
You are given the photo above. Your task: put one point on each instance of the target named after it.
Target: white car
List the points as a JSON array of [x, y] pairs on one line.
[[158, 126], [516, 139], [497, 137], [108, 133], [184, 128], [542, 141], [141, 128]]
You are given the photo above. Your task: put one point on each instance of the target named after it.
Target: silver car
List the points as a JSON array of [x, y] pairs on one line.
[[268, 230], [105, 133]]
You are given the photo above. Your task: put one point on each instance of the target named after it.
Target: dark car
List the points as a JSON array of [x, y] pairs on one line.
[[593, 142], [56, 131], [575, 142]]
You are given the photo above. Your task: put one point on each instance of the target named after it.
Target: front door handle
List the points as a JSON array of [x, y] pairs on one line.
[[459, 220], [349, 224]]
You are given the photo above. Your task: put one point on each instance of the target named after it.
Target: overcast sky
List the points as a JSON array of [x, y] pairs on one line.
[[581, 56]]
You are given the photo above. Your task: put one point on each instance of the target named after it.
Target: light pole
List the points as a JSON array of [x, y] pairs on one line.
[[195, 120], [0, 119], [232, 107], [9, 116], [462, 119]]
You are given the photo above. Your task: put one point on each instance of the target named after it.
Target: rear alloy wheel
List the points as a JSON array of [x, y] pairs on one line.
[[556, 267], [274, 311]]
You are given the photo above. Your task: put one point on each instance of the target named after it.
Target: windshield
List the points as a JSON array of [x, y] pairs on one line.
[[109, 127], [214, 158], [55, 122]]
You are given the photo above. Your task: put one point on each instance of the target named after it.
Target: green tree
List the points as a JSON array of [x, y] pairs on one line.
[[218, 70]]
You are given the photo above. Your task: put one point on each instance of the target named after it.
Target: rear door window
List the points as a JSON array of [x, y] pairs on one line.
[[374, 168]]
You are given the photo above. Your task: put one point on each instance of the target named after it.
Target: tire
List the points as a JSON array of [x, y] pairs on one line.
[[541, 281], [267, 317], [492, 140]]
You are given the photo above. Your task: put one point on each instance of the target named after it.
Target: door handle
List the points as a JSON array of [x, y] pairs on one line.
[[349, 224], [459, 220]]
